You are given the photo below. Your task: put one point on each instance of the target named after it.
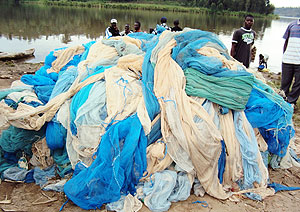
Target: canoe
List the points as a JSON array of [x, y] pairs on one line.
[[16, 55]]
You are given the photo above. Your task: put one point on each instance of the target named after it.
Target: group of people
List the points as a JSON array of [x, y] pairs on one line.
[[242, 43], [113, 30], [242, 46]]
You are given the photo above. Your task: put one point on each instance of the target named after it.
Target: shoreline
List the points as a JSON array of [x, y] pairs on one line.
[[146, 6]]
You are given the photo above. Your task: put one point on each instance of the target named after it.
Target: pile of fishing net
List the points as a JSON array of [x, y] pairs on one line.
[[146, 118]]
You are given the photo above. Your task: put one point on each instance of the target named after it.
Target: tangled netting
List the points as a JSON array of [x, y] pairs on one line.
[[144, 117]]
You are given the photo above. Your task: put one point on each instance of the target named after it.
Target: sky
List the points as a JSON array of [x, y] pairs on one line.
[[286, 3]]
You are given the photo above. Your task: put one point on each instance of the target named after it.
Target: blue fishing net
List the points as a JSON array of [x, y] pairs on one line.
[[120, 163], [186, 56], [144, 37], [87, 47], [14, 142], [13, 104], [14, 139], [61, 159], [278, 187], [207, 105], [222, 162], [268, 112], [150, 99], [155, 133], [56, 134], [44, 82], [249, 151], [77, 101], [230, 92], [5, 92], [6, 163]]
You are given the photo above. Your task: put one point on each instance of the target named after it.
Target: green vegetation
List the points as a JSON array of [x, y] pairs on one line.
[[43, 20], [259, 8]]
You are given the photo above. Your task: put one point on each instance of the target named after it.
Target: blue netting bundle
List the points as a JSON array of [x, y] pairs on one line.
[[80, 98], [14, 139], [249, 151], [5, 92], [14, 142], [44, 82], [14, 104], [150, 99], [6, 162], [268, 112], [186, 55], [229, 92], [61, 159], [120, 163], [56, 134], [144, 37], [87, 47], [278, 187], [222, 162], [215, 78]]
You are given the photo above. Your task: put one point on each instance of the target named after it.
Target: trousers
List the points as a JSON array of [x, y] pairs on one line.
[[289, 72]]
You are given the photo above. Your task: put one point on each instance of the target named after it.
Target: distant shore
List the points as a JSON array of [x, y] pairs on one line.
[[145, 6]]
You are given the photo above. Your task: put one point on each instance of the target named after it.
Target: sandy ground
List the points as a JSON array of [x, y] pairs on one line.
[[30, 198]]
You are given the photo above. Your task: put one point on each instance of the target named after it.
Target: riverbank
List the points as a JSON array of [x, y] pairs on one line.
[[13, 70], [30, 197], [167, 6]]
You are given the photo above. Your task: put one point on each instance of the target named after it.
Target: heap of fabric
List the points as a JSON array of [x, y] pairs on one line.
[[145, 117]]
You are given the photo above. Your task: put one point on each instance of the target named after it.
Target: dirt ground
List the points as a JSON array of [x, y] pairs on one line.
[[30, 198]]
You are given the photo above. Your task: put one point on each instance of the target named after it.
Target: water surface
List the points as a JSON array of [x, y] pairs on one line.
[[47, 28]]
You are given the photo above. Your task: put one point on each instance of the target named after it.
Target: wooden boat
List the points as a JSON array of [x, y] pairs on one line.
[[16, 55]]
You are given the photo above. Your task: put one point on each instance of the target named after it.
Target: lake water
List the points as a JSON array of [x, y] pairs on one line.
[[47, 28]]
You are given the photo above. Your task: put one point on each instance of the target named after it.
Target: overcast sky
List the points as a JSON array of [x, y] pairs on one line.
[[286, 3]]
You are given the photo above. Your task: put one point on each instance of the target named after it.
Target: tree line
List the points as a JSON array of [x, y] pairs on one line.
[[288, 11], [251, 6]]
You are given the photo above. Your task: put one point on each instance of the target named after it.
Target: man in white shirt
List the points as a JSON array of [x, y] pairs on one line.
[[291, 62], [126, 30]]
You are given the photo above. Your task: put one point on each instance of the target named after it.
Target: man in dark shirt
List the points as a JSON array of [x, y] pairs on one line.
[[242, 41], [112, 30], [176, 27]]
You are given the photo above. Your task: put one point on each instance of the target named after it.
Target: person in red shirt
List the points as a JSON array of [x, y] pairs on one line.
[[137, 26]]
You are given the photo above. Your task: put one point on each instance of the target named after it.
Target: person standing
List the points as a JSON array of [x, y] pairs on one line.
[[176, 27], [126, 30], [291, 62], [112, 30], [163, 23], [137, 27], [242, 41]]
